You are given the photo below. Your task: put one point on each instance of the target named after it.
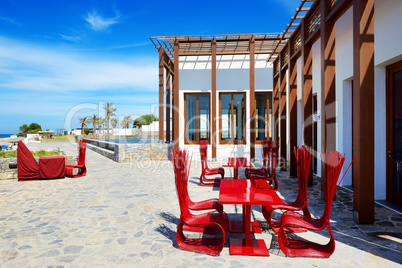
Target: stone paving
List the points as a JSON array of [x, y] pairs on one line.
[[125, 215]]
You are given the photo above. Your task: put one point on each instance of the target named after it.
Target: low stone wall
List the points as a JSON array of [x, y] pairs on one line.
[[127, 152], [8, 166]]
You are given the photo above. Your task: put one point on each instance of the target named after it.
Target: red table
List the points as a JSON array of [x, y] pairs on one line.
[[237, 162], [51, 167], [247, 193]]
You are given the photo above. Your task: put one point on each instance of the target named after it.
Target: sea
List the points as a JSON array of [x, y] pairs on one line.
[[5, 135]]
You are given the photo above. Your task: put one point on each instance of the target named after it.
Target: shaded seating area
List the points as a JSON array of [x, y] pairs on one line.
[[82, 170], [206, 223], [206, 171], [48, 167]]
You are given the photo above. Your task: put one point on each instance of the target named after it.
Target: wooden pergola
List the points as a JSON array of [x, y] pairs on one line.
[[172, 47], [319, 23]]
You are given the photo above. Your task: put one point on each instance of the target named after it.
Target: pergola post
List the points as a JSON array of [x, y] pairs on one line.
[[252, 98], [213, 97], [176, 107], [161, 84], [307, 95], [293, 112], [282, 117], [328, 112], [363, 111], [168, 106], [275, 104]]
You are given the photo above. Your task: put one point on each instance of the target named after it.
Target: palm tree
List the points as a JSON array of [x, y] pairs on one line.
[[126, 122], [101, 123], [113, 121], [109, 109], [94, 119], [83, 121]]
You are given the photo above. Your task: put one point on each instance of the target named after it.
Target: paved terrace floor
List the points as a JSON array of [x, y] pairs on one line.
[[125, 215]]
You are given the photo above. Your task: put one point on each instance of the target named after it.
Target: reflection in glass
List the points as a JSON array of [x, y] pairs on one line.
[[203, 103], [238, 116], [226, 117], [261, 119], [191, 116]]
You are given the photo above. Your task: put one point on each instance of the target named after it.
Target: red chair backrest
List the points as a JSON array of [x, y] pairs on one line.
[[181, 165], [266, 147], [203, 154], [303, 160], [332, 163], [26, 163], [273, 157], [82, 147]]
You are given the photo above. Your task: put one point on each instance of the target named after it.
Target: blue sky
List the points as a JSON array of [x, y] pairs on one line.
[[63, 59]]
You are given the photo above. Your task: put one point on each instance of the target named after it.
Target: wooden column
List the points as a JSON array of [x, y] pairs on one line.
[[176, 109], [275, 106], [293, 113], [173, 90], [307, 96], [213, 98], [328, 116], [252, 99], [363, 111], [168, 106], [161, 104], [282, 117]]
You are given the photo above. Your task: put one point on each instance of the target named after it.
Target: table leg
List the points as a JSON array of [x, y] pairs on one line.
[[248, 246], [238, 226]]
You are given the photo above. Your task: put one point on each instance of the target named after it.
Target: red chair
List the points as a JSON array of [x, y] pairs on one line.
[[82, 147], [303, 159], [28, 168], [332, 162], [211, 245], [264, 171], [206, 171], [270, 174]]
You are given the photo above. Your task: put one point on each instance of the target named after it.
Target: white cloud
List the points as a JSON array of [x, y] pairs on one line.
[[98, 23], [25, 67], [9, 20]]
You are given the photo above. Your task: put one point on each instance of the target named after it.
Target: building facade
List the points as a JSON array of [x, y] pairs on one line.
[[335, 84]]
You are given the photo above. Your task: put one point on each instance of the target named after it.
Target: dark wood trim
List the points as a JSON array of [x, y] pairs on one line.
[[197, 141], [252, 99], [339, 9], [232, 141], [161, 88], [314, 36], [176, 107], [390, 125], [328, 111], [307, 95], [363, 110], [213, 102]]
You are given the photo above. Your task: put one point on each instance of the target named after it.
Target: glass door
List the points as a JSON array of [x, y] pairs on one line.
[[394, 180]]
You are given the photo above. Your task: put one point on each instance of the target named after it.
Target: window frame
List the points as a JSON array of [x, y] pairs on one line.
[[268, 93], [197, 141], [232, 141]]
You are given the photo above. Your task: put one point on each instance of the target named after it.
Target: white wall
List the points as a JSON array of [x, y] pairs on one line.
[[343, 85], [316, 49], [388, 50], [232, 75]]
